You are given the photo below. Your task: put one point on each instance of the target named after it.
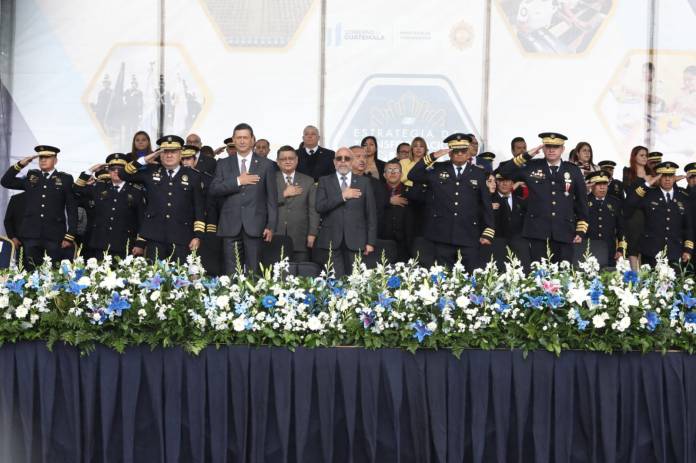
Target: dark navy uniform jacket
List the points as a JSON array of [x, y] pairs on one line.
[[117, 215], [51, 207], [557, 203], [459, 209], [175, 211], [666, 224], [606, 222]]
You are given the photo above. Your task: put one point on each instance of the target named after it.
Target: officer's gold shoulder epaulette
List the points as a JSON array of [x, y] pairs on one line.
[[480, 167], [137, 186]]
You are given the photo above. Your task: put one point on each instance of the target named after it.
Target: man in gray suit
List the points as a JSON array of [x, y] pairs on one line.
[[348, 214], [247, 186], [297, 215]]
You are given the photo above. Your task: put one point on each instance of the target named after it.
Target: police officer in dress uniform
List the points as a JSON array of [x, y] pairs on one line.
[[460, 218], [118, 209], [690, 171], [211, 244], [50, 203], [605, 232], [485, 160], [668, 223], [557, 202], [174, 221], [616, 187], [654, 158], [508, 213]]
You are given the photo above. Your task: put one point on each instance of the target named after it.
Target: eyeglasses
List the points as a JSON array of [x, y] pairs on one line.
[[343, 158], [394, 170], [286, 159]]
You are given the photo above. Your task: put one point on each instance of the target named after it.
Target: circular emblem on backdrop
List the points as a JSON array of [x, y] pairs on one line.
[[462, 35]]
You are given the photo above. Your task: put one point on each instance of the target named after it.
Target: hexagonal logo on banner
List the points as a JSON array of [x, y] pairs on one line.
[[563, 27], [259, 23], [124, 95], [398, 108]]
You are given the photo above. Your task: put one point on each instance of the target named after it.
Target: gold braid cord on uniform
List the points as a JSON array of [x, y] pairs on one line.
[[17, 167], [581, 227], [198, 226], [688, 244], [640, 191], [211, 228], [69, 237], [428, 160], [80, 182], [488, 233], [521, 159]]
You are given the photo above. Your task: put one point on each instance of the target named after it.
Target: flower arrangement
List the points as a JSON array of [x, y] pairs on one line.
[[123, 302]]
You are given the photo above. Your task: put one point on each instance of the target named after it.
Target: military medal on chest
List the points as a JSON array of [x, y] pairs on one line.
[[568, 182]]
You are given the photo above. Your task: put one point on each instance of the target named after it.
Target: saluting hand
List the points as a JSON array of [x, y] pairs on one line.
[[152, 156], [25, 162], [535, 151], [96, 167], [220, 150], [652, 180], [440, 153]]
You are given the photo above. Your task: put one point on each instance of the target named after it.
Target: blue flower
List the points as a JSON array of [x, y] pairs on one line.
[[385, 301], [477, 299], [269, 301], [310, 299], [653, 320], [64, 269], [211, 283], [596, 291], [16, 287], [540, 273], [630, 276], [438, 278], [118, 304], [472, 280], [181, 282], [209, 304], [534, 301], [79, 273], [690, 317], [445, 303], [75, 288], [241, 307], [582, 324], [501, 306], [421, 330], [554, 300], [394, 282], [153, 283], [688, 301], [35, 280]]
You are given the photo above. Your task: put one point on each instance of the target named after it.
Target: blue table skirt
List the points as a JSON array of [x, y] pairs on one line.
[[242, 404]]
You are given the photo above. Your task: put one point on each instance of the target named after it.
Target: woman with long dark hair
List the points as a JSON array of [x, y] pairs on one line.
[[636, 174], [584, 158], [375, 167], [141, 146]]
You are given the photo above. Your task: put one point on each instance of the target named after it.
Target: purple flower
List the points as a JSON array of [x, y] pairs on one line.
[[153, 283], [368, 319], [477, 299]]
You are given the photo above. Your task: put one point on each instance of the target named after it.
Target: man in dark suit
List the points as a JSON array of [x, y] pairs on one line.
[[348, 216], [314, 160], [118, 209], [246, 185], [508, 212], [174, 220], [557, 203], [460, 219], [297, 214], [49, 200]]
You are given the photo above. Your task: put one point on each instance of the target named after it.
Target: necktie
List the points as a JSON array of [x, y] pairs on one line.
[[311, 152], [459, 172], [554, 170], [344, 183], [170, 173], [508, 203], [669, 198], [45, 174], [244, 169], [288, 180]]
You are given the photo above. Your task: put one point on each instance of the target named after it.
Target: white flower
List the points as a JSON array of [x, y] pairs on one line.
[[313, 323], [4, 301], [222, 301], [239, 323], [463, 302], [21, 311], [111, 281], [624, 324], [599, 321], [432, 326], [154, 296]]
